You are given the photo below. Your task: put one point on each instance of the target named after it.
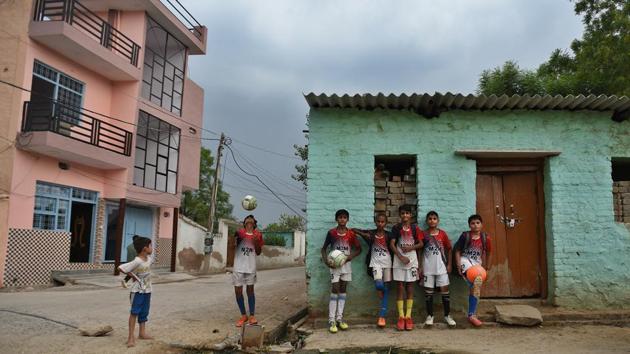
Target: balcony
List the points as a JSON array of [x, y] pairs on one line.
[[170, 14], [70, 28], [71, 135]]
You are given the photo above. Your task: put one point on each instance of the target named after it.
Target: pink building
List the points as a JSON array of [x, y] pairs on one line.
[[106, 137]]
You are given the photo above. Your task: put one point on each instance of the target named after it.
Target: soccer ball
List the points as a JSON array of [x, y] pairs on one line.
[[249, 202], [336, 258], [474, 272]]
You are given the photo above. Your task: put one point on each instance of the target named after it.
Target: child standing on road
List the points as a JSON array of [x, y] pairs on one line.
[[343, 239], [436, 265], [249, 243], [380, 261], [140, 270], [473, 248], [406, 240]]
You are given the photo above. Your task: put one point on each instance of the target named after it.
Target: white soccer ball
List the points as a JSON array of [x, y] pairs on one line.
[[249, 202], [336, 258]]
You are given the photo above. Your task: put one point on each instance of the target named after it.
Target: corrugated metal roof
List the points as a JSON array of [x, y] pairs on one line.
[[432, 105]]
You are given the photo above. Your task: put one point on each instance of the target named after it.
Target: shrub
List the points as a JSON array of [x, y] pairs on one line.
[[274, 240]]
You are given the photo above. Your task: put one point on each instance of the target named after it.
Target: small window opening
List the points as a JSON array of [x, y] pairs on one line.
[[395, 185], [621, 189]]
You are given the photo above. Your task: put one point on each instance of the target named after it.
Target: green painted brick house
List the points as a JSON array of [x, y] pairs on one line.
[[540, 170]]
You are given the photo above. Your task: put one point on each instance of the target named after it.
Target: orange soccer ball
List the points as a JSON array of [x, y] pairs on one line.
[[474, 272]]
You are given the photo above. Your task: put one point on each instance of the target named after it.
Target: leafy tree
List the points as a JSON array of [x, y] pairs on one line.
[[599, 62], [286, 223], [196, 204], [301, 151]]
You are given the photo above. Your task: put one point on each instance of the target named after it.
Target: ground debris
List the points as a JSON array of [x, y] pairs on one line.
[[94, 330]]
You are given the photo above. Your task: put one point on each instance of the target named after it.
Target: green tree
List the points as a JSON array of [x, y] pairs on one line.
[[286, 223], [196, 204], [301, 151], [599, 62]]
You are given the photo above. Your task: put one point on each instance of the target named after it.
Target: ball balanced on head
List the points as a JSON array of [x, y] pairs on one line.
[[249, 202], [336, 258]]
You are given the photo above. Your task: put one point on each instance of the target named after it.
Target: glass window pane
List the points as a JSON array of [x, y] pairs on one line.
[[175, 138], [172, 160], [138, 177], [45, 222], [177, 101], [156, 37], [178, 85], [143, 122], [63, 207], [151, 157], [169, 71], [161, 167], [154, 128], [156, 89], [45, 204], [139, 158], [147, 73], [61, 222], [172, 183], [149, 177], [141, 142], [163, 150], [158, 72], [164, 132], [146, 90], [167, 101], [161, 183]]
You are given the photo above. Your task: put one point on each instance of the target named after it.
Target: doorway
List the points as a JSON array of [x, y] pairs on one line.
[[81, 218], [138, 221], [511, 202]]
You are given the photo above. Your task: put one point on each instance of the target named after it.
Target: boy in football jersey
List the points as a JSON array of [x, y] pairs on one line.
[[380, 261], [343, 239], [249, 243], [406, 240], [436, 264], [473, 248]]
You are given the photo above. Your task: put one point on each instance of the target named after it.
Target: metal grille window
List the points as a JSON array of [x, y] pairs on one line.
[[157, 154], [52, 205], [50, 84], [164, 68]]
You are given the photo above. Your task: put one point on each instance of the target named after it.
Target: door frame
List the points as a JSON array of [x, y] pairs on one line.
[[512, 165], [154, 237]]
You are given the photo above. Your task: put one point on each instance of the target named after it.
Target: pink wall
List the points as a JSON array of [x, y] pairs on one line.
[[166, 223], [192, 117]]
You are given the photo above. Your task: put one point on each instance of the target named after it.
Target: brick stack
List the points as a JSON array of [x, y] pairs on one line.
[[621, 201], [390, 192]]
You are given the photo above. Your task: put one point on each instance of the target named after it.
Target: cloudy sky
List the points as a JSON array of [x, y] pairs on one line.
[[263, 55]]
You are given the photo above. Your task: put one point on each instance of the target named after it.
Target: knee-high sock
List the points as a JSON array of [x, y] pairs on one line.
[[251, 301], [428, 294], [401, 308], [341, 302], [446, 301], [380, 286], [332, 307], [241, 304], [472, 304], [409, 304]]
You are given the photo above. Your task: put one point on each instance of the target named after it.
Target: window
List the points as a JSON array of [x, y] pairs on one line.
[[394, 185], [157, 154], [621, 189], [164, 68], [49, 86], [53, 205]]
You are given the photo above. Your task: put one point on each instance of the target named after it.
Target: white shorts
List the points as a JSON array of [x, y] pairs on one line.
[[240, 279], [432, 281], [406, 275], [336, 275], [384, 274]]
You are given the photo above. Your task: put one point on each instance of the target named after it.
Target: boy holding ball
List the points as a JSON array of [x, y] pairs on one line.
[[343, 239]]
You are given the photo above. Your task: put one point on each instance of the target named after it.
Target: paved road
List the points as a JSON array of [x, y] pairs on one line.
[[184, 312]]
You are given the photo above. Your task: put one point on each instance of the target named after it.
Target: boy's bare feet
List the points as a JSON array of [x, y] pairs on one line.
[[131, 343], [145, 337]]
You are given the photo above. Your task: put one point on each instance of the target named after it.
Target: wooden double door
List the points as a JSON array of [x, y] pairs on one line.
[[511, 203]]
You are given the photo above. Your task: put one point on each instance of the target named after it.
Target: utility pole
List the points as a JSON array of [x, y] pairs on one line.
[[215, 187]]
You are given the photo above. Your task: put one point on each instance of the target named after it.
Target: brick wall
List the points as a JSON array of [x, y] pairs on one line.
[[577, 184], [621, 201]]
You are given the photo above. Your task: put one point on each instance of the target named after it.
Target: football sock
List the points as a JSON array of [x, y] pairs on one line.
[[332, 307], [251, 301], [341, 302], [446, 301], [380, 286], [241, 304], [401, 310], [429, 300], [409, 304], [472, 304]]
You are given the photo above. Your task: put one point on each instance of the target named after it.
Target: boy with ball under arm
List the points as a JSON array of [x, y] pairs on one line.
[[343, 239]]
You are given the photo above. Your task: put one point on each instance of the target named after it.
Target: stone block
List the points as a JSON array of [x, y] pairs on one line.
[[380, 205], [396, 178], [95, 330], [518, 315], [409, 178], [394, 184], [380, 195], [409, 184], [252, 336], [380, 183], [394, 190], [380, 190], [411, 201], [409, 190]]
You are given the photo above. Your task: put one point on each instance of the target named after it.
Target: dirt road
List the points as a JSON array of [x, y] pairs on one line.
[[193, 312]]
